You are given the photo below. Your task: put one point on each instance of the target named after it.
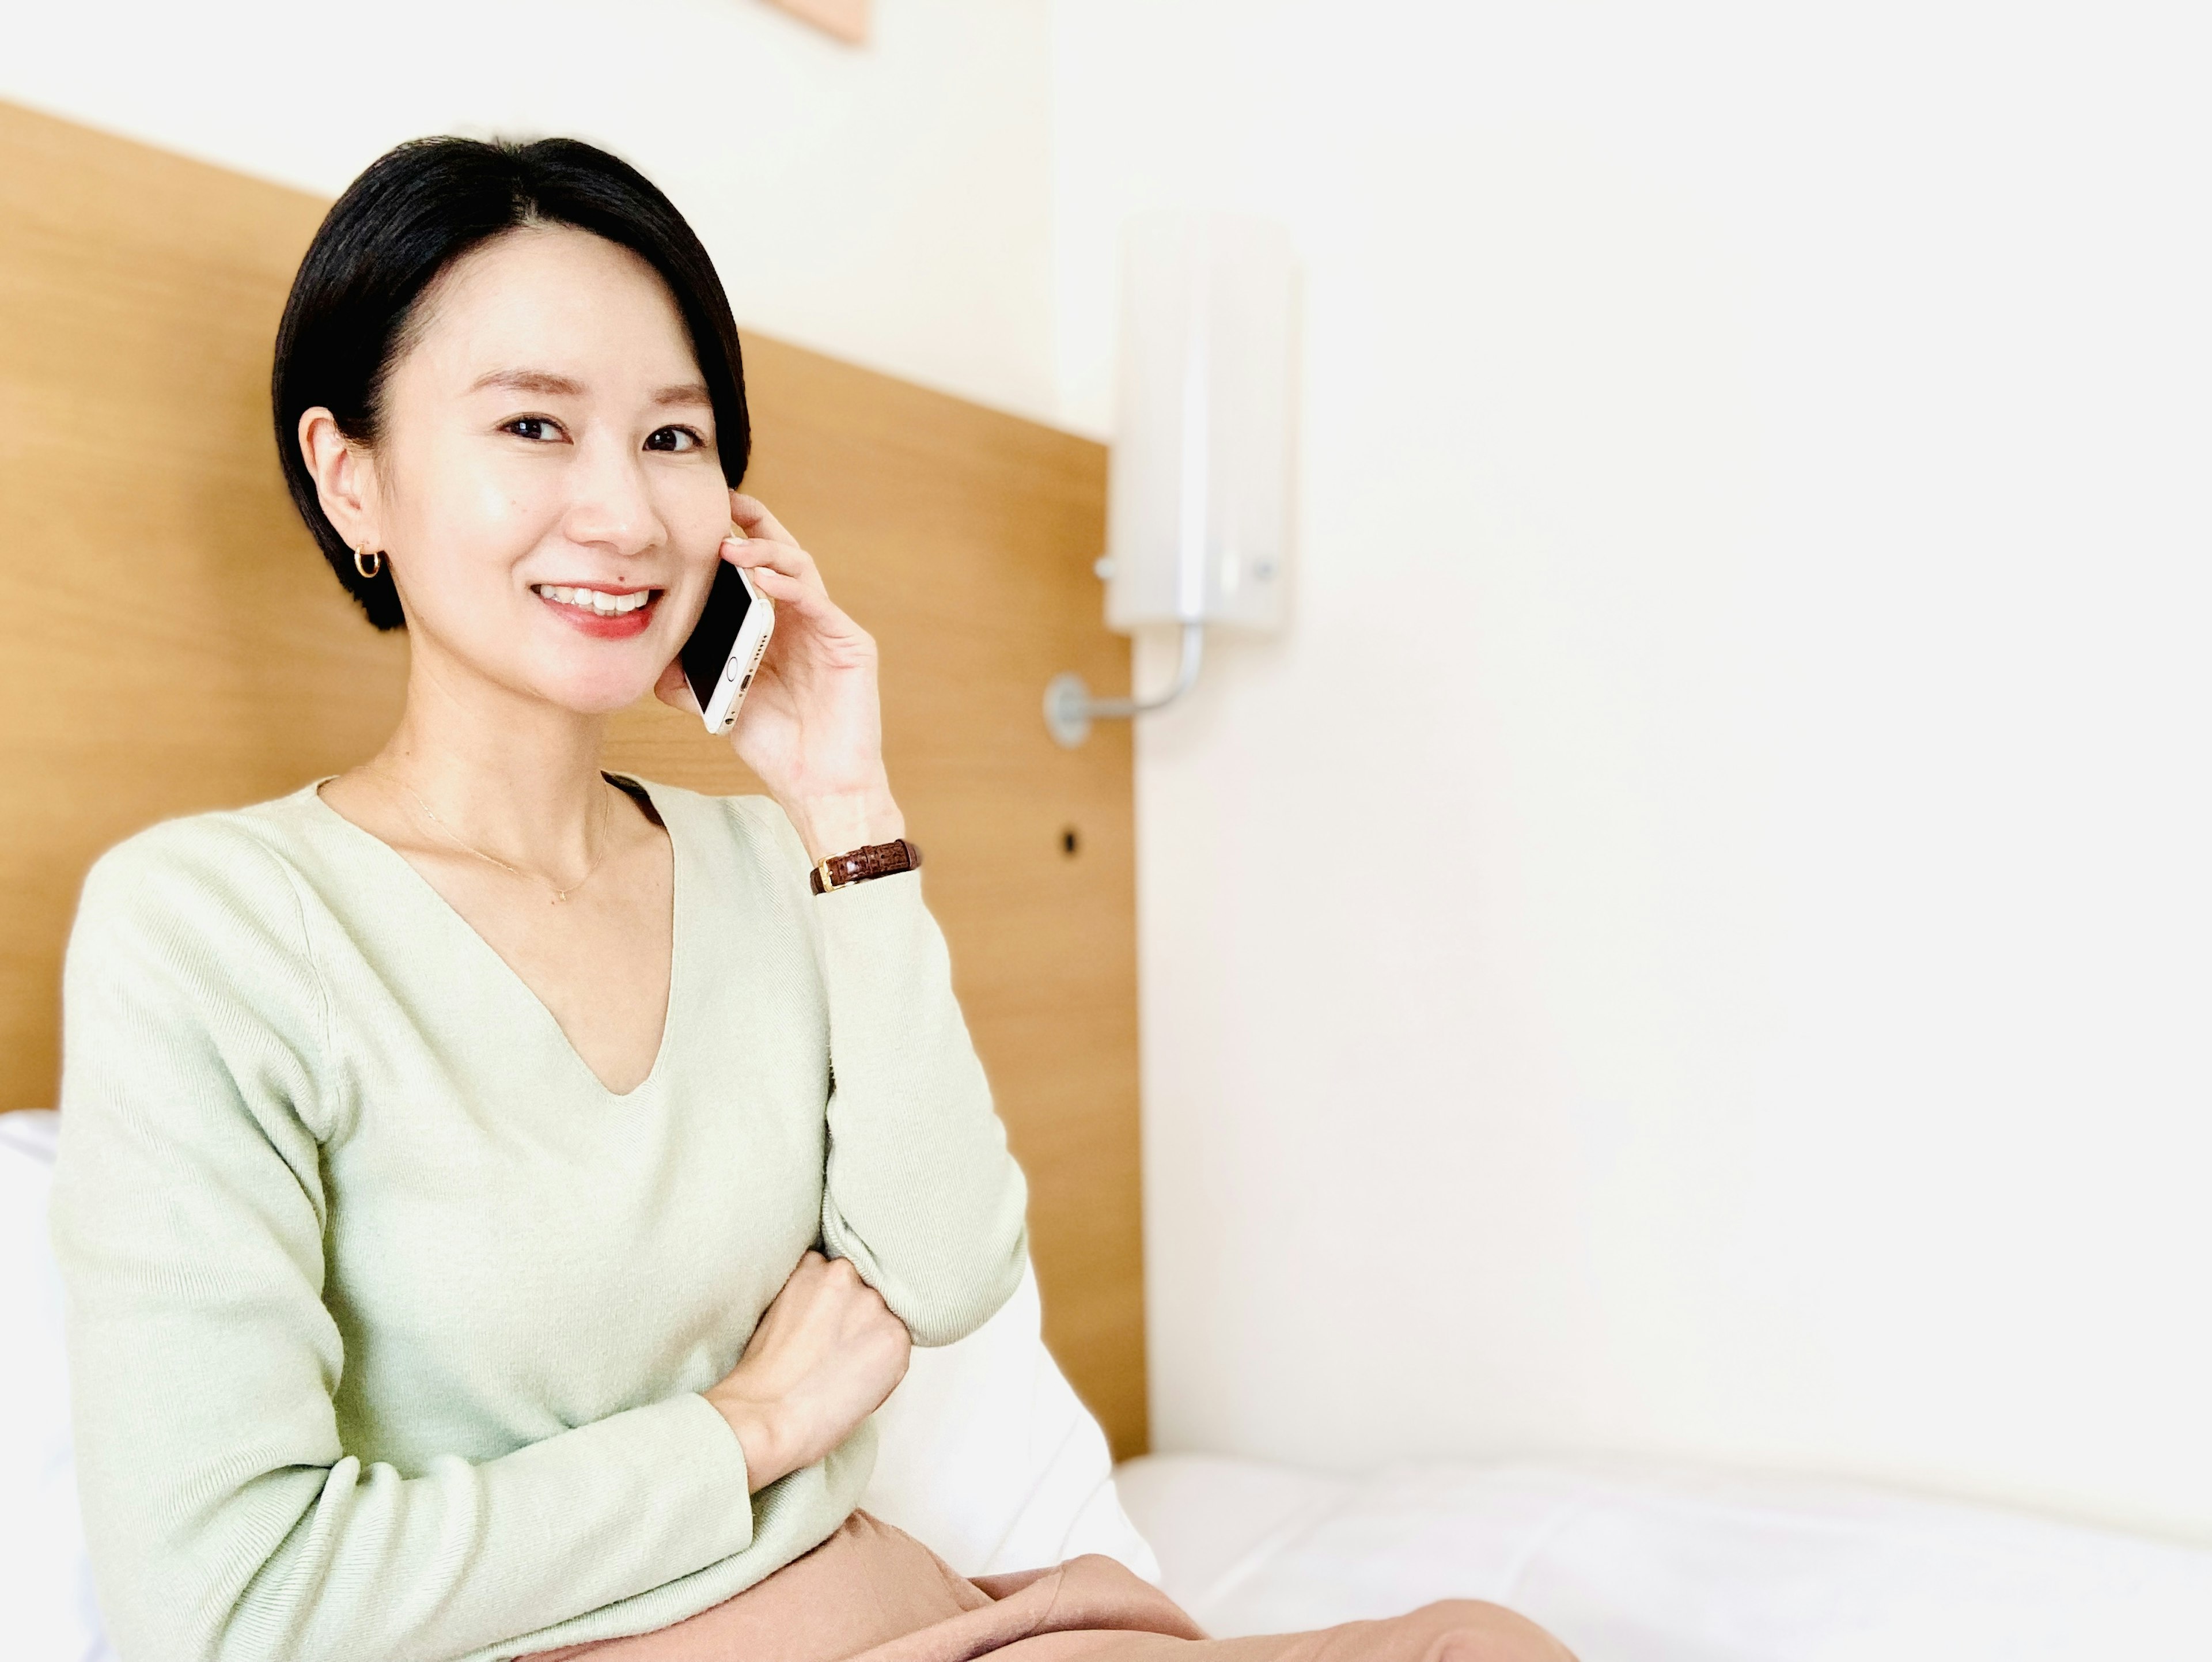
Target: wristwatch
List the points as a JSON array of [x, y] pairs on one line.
[[877, 860]]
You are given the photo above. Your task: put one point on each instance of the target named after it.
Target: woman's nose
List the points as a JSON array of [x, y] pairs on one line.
[[609, 506]]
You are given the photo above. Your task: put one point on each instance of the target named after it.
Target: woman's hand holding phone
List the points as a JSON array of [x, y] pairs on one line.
[[811, 723], [825, 1354]]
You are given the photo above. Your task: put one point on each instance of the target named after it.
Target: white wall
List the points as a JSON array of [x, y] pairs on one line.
[[1698, 942], [887, 204]]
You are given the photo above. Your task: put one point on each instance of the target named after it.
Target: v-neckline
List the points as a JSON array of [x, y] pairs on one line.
[[676, 933]]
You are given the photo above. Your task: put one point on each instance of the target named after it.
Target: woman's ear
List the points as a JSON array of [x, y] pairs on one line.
[[344, 476]]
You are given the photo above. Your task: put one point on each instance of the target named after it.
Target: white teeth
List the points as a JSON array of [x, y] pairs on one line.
[[606, 605]]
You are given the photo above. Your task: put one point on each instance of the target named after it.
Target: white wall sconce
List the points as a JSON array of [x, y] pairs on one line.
[[1199, 483]]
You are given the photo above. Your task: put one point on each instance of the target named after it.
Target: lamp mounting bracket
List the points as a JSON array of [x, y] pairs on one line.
[[1069, 708]]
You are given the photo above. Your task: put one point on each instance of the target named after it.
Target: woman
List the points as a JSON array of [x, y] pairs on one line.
[[495, 1194]]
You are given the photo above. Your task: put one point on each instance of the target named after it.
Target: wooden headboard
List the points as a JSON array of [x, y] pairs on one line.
[[178, 644]]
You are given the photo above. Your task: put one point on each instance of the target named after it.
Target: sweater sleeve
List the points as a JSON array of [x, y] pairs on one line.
[[920, 1191], [226, 1521]]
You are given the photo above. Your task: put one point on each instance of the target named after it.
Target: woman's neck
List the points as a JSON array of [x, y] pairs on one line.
[[513, 775]]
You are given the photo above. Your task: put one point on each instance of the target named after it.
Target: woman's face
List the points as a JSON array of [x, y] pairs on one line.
[[546, 483]]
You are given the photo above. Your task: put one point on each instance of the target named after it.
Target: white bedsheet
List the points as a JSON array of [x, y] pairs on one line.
[[1631, 1565]]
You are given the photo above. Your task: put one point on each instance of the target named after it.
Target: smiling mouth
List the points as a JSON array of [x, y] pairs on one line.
[[605, 602]]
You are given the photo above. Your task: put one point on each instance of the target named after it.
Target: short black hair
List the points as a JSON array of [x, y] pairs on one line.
[[417, 209]]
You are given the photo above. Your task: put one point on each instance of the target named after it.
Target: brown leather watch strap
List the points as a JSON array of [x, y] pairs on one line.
[[877, 859]]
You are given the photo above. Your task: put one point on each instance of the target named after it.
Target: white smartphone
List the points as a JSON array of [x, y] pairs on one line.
[[724, 653]]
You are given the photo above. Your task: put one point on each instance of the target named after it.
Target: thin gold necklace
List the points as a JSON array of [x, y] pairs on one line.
[[466, 847]]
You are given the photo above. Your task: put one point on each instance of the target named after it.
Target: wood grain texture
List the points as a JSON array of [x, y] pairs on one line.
[[181, 646], [178, 644]]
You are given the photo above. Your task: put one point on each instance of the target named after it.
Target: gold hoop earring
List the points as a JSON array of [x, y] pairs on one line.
[[369, 565]]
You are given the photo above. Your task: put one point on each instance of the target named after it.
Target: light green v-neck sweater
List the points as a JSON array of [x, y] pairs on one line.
[[386, 1320]]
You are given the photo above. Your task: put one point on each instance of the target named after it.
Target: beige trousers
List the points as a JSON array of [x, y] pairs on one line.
[[872, 1593]]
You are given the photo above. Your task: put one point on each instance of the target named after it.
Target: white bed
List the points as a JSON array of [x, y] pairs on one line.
[[1634, 1564]]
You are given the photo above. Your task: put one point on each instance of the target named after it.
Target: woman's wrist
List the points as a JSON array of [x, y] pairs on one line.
[[840, 821], [755, 1428]]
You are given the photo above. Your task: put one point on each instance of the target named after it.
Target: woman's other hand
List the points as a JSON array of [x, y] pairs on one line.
[[811, 727], [826, 1353]]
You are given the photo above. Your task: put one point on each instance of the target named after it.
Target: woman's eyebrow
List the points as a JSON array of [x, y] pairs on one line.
[[546, 384], [541, 381]]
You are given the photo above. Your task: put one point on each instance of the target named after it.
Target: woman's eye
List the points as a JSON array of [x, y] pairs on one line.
[[674, 438], [538, 429]]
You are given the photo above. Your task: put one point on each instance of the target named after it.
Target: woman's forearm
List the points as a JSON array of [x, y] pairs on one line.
[[920, 1191], [823, 1358], [920, 1194]]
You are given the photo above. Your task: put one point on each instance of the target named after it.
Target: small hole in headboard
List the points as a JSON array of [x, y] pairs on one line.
[[1068, 841]]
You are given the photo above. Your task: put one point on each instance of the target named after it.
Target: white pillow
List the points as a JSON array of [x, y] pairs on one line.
[[985, 1453], [987, 1457], [46, 1607]]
